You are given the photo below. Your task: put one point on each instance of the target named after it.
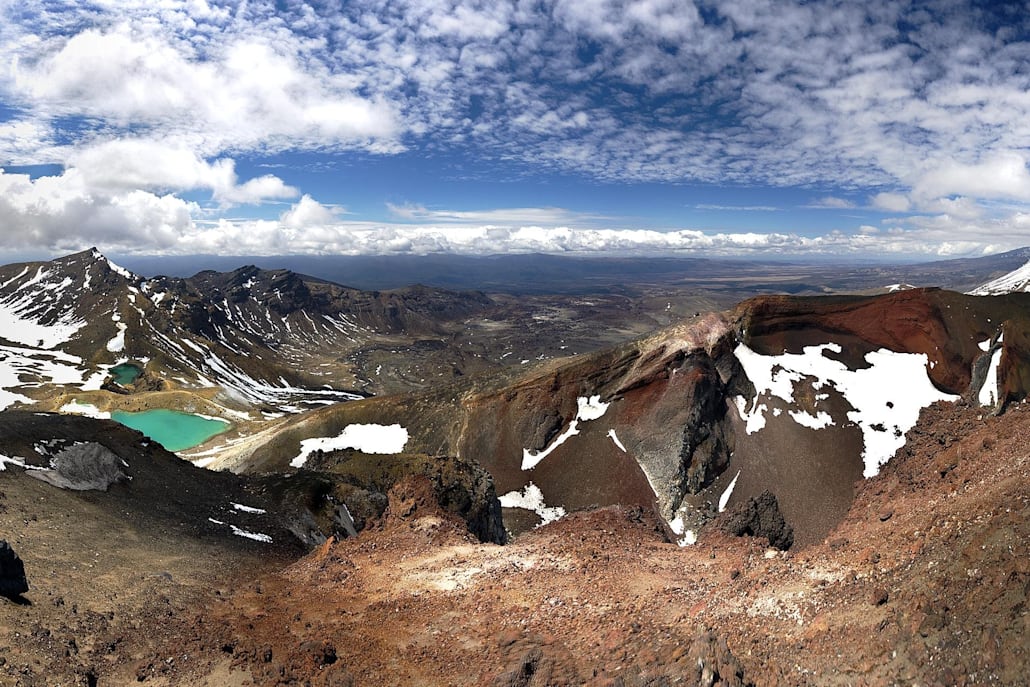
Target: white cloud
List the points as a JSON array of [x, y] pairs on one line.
[[1002, 174], [891, 202], [308, 213], [500, 216], [291, 236], [25, 141], [832, 203], [256, 190], [126, 164], [38, 214], [163, 98], [250, 92], [745, 91], [738, 208], [123, 164]]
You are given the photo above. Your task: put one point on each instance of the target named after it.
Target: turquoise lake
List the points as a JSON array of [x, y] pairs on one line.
[[125, 373], [174, 430]]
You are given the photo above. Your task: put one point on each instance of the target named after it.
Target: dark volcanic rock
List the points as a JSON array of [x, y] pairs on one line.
[[706, 449], [761, 517], [524, 673], [12, 572], [83, 467], [361, 483]]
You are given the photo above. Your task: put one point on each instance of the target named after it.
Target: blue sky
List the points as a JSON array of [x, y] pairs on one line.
[[597, 127]]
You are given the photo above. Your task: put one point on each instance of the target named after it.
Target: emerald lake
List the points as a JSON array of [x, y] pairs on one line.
[[125, 373], [174, 430]]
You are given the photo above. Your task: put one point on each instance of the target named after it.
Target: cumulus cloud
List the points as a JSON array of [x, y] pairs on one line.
[[249, 92], [308, 213], [891, 202], [1001, 174], [39, 213], [126, 164], [921, 107]]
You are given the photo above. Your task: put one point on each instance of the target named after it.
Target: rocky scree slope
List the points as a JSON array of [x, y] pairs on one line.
[[924, 580]]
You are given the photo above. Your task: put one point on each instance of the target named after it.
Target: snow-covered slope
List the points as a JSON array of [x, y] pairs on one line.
[[1017, 280], [270, 339]]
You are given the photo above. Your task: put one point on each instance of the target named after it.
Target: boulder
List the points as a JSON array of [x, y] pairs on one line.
[[12, 572], [713, 664], [81, 467], [761, 517]]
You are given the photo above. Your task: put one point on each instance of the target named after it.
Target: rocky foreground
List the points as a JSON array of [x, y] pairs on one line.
[[925, 581]]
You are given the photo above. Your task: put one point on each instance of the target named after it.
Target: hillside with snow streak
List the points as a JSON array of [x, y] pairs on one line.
[[264, 340], [1017, 280], [802, 397]]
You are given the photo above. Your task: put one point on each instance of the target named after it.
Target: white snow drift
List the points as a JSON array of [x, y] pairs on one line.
[[372, 438], [887, 396], [590, 408], [531, 498]]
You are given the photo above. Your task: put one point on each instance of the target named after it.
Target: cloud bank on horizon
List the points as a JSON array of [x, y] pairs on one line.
[[588, 126]]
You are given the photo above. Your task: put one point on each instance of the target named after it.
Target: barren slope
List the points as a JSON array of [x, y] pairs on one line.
[[925, 581]]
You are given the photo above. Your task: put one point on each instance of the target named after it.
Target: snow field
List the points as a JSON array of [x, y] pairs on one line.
[[887, 396], [370, 438]]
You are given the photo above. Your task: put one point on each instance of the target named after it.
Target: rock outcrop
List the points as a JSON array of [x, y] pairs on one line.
[[761, 517], [714, 664], [350, 490], [82, 467], [12, 572]]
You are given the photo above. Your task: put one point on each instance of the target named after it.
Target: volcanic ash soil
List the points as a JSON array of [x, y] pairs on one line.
[[925, 581]]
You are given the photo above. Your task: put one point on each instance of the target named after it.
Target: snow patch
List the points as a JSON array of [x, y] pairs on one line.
[[687, 537], [372, 438], [247, 509], [87, 409], [117, 344], [725, 498], [615, 438], [887, 396], [988, 395], [531, 498], [10, 460], [820, 420], [589, 408], [20, 326], [118, 268], [56, 367], [256, 536]]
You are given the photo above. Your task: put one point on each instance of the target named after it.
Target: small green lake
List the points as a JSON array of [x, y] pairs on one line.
[[125, 373], [174, 430]]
